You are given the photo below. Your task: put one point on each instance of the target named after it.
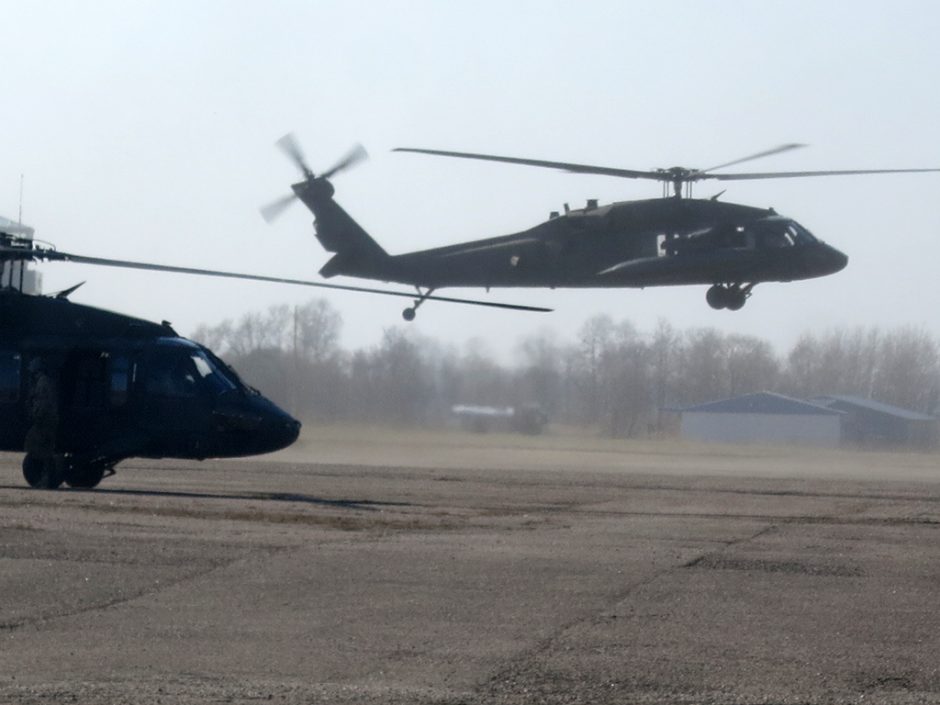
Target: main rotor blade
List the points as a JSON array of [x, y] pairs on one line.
[[354, 156], [565, 166], [289, 145], [797, 174], [766, 153], [274, 209], [55, 255]]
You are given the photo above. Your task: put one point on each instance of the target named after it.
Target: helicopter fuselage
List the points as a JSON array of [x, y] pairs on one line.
[[657, 242]]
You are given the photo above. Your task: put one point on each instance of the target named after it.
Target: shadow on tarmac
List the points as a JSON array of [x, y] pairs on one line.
[[368, 505]]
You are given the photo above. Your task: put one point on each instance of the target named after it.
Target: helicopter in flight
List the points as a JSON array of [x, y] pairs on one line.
[[667, 241], [83, 388]]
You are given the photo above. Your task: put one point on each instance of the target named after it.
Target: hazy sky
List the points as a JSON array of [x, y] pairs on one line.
[[145, 131]]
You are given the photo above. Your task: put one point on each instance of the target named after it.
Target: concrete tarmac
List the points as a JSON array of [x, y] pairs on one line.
[[365, 569]]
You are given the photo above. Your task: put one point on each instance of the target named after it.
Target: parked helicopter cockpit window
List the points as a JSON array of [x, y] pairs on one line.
[[170, 373], [213, 377], [179, 372], [10, 364]]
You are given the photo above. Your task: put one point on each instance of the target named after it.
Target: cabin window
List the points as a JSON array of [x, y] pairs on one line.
[[120, 380], [662, 249], [737, 239], [10, 365]]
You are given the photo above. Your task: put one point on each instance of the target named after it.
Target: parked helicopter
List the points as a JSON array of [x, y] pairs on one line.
[[658, 242], [82, 388]]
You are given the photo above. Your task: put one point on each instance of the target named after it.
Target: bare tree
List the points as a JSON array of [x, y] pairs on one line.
[[908, 374], [703, 374], [751, 365], [540, 374], [594, 339], [665, 352]]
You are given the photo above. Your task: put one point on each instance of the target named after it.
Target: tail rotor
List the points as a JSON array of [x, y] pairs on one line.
[[291, 148]]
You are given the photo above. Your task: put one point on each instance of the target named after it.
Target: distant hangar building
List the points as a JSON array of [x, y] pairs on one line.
[[871, 423], [763, 418]]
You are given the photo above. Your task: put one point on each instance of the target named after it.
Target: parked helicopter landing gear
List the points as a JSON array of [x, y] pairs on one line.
[[45, 472], [86, 475], [409, 313], [49, 472], [729, 296]]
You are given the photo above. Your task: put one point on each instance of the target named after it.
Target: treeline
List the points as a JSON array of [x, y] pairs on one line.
[[609, 374]]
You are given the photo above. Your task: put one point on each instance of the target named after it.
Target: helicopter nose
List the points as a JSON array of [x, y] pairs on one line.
[[290, 430], [837, 260], [255, 426], [280, 431], [822, 259]]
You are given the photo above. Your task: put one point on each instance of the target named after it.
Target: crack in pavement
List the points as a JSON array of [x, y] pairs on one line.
[[100, 606], [515, 666]]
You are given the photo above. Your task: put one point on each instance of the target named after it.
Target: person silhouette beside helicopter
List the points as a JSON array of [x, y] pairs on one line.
[[42, 407]]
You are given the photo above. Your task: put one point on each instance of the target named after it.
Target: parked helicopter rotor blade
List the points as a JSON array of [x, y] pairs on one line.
[[58, 256], [565, 166], [800, 174], [289, 145], [273, 210], [355, 155], [759, 155]]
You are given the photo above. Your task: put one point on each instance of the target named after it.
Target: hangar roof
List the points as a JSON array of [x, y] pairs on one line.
[[872, 405], [762, 403]]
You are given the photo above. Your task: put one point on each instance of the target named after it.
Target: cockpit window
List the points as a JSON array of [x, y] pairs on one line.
[[170, 373], [184, 373], [212, 376], [777, 234], [777, 238], [800, 235]]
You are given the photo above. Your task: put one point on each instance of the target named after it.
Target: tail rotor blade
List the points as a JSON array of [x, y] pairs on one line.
[[273, 210], [289, 145], [355, 155]]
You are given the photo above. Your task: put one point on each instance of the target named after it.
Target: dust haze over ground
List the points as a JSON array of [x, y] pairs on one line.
[[376, 565]]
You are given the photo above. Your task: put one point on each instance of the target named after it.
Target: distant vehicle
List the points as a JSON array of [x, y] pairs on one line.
[[528, 418], [667, 241]]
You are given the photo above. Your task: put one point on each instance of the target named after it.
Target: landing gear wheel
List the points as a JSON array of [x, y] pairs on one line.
[[736, 299], [731, 297], [717, 297], [84, 476], [408, 314], [43, 472]]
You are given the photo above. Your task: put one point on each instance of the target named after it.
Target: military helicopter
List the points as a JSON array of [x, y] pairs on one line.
[[82, 388], [666, 241]]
